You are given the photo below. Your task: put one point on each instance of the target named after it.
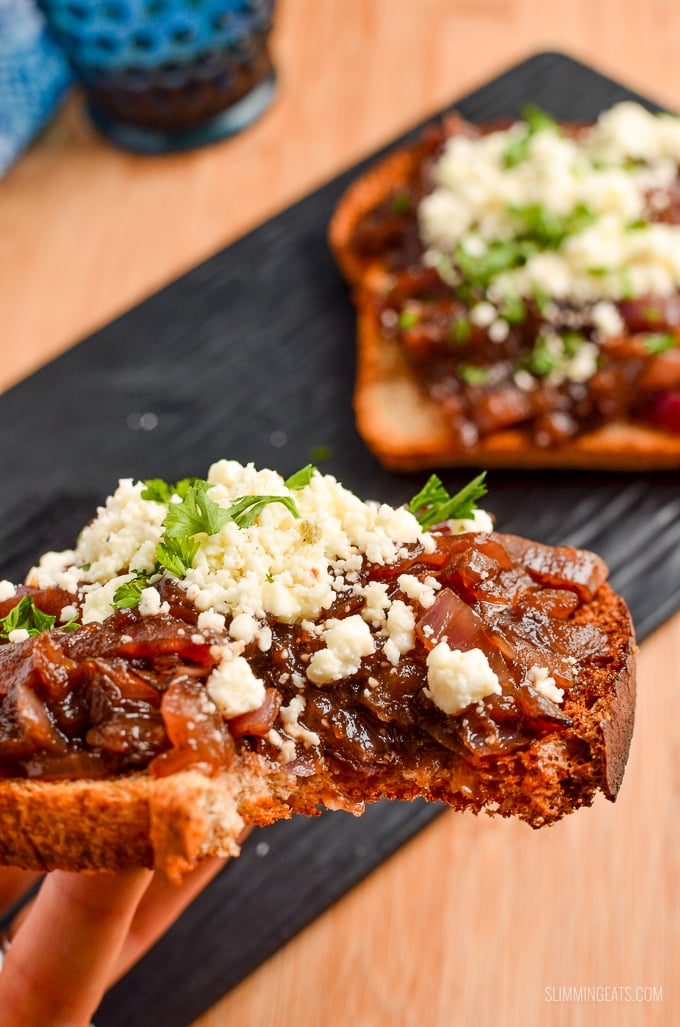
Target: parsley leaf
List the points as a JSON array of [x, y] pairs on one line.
[[301, 478], [400, 203], [247, 509], [162, 492], [460, 330], [472, 374], [196, 513], [127, 595], [542, 360], [26, 616], [433, 504], [408, 319], [659, 342], [176, 555], [536, 120]]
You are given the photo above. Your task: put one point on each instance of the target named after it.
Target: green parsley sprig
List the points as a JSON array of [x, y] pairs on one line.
[[27, 617], [192, 513], [433, 504], [535, 120]]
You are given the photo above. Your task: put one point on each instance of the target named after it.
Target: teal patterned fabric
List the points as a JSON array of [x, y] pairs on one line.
[[34, 76]]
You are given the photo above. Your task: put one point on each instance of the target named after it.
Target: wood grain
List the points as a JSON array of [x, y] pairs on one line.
[[474, 920]]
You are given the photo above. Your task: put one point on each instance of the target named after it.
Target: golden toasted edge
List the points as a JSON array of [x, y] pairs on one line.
[[401, 425]]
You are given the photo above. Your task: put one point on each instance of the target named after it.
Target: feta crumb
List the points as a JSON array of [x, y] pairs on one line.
[[68, 613], [483, 314], [499, 330], [150, 602], [286, 746], [545, 684], [18, 635], [456, 678], [416, 589], [234, 689], [347, 641], [243, 628], [208, 620], [290, 719], [7, 590], [401, 622]]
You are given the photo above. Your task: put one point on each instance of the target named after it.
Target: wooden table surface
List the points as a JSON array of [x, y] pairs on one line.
[[475, 921]]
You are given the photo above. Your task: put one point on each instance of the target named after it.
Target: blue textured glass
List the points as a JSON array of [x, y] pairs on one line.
[[34, 75], [167, 74]]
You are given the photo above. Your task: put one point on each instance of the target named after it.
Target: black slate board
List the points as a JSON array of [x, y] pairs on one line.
[[250, 355]]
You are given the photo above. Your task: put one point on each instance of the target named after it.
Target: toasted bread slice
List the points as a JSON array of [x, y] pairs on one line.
[[317, 651], [398, 419], [407, 430], [174, 822]]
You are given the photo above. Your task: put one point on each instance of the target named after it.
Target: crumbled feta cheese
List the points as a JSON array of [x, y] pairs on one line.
[[416, 589], [68, 613], [286, 746], [290, 719], [483, 314], [150, 602], [607, 319], [457, 678], [347, 641], [499, 330], [234, 688], [377, 603], [7, 590], [18, 635], [208, 620], [243, 628], [401, 622], [545, 684], [477, 197]]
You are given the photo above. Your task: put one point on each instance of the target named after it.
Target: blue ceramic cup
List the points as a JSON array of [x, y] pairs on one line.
[[164, 75]]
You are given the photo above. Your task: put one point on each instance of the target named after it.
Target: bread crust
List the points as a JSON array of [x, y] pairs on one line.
[[401, 424], [174, 823]]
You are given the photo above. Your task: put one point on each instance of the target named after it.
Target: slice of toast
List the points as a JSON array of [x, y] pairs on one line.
[[529, 715], [396, 414]]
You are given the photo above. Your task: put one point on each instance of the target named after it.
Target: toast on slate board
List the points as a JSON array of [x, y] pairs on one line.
[[518, 294], [237, 649]]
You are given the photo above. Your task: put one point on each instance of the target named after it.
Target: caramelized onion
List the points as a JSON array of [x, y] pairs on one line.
[[195, 729], [257, 722]]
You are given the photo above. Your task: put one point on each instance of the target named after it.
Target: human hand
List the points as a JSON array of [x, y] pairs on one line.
[[79, 935]]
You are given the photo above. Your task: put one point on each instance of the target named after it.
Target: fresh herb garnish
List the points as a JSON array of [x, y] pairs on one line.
[[499, 256], [572, 342], [541, 298], [545, 228], [536, 120], [637, 226], [460, 330], [513, 309], [127, 595], [247, 509], [652, 314], [195, 514], [659, 342], [472, 374], [400, 203], [162, 492], [433, 504], [301, 478], [408, 319], [542, 360], [26, 616]]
